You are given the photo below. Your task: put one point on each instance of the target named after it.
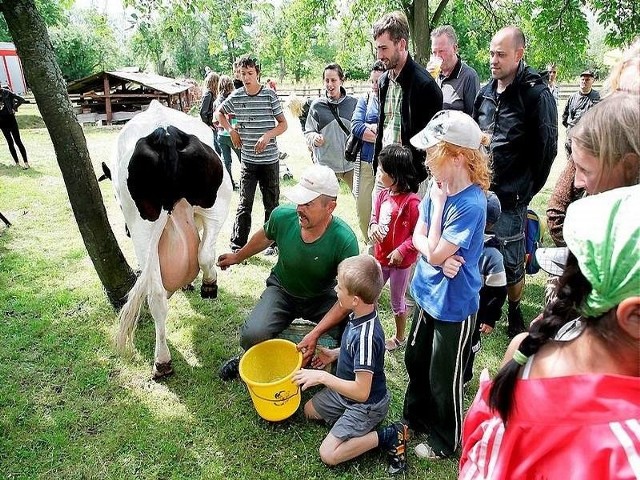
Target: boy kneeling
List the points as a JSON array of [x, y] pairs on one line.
[[356, 399]]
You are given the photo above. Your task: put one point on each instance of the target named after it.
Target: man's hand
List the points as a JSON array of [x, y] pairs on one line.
[[235, 138], [451, 266], [307, 347], [305, 378], [227, 259], [318, 141]]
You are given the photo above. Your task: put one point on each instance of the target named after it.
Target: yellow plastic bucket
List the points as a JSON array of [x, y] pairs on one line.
[[267, 369]]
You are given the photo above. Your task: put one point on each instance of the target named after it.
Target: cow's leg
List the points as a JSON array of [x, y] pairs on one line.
[[158, 306], [211, 225]]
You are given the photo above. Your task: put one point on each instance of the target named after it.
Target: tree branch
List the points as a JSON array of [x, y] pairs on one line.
[[438, 13]]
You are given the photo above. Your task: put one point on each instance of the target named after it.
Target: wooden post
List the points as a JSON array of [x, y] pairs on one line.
[[107, 97]]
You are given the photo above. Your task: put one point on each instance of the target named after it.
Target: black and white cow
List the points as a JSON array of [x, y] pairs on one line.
[[172, 187]]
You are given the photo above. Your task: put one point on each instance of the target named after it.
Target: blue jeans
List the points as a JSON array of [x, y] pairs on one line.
[[226, 145], [509, 230]]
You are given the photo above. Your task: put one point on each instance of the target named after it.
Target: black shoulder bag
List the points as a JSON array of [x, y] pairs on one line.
[[353, 144]]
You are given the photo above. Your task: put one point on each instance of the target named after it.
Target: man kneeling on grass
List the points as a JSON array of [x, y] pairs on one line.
[[355, 399]]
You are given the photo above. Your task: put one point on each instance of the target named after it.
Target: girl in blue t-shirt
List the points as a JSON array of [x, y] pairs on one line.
[[449, 237]]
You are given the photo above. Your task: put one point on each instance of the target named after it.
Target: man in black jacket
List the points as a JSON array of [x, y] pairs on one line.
[[406, 89], [518, 110], [578, 104]]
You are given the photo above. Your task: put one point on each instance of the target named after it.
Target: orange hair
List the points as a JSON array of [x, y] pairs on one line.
[[478, 162]]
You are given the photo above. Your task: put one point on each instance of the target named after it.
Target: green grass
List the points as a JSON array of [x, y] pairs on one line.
[[70, 407]]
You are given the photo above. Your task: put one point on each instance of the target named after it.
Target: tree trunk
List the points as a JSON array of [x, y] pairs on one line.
[[421, 24], [32, 42], [421, 32]]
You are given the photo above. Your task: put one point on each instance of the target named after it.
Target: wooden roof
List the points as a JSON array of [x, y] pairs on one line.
[[169, 86]]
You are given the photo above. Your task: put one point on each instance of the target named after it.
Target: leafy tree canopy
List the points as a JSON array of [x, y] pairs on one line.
[[294, 38]]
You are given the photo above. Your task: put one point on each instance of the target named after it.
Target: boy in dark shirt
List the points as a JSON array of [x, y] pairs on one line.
[[355, 399]]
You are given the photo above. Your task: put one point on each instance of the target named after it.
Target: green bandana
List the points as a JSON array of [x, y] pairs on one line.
[[603, 232]]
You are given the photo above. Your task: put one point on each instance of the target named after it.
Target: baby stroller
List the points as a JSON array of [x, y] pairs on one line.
[[285, 173]]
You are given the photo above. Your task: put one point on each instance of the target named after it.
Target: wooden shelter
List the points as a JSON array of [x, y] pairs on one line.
[[119, 95], [11, 72]]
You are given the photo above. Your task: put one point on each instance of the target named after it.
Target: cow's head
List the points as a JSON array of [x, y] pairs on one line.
[[168, 165]]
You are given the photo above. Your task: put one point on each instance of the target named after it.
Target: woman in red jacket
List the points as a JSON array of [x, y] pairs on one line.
[[566, 403]]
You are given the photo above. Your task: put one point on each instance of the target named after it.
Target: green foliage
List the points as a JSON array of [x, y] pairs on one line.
[[53, 12], [357, 52], [182, 37], [622, 19], [294, 38], [299, 33], [556, 32], [85, 44]]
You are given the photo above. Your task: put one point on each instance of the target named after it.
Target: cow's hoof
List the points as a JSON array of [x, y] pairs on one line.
[[209, 290], [188, 287], [161, 370]]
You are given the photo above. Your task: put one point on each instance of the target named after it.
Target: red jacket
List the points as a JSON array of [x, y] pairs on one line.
[[404, 216], [578, 427]]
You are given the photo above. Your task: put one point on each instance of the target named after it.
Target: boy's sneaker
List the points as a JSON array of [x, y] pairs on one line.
[[397, 451], [230, 370]]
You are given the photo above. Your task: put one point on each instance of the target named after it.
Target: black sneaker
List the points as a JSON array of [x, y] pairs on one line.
[[515, 322], [230, 370], [397, 452]]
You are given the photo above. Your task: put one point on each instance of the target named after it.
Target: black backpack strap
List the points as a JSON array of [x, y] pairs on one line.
[[334, 110]]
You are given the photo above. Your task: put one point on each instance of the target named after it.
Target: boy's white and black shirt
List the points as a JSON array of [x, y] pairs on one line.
[[362, 349], [255, 116]]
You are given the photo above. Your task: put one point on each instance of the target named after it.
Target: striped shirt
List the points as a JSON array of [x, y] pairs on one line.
[[255, 116], [362, 349]]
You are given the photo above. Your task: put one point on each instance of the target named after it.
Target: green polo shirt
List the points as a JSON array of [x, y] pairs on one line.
[[307, 270]]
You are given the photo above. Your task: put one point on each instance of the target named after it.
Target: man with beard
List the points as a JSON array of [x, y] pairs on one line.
[[312, 243], [409, 96]]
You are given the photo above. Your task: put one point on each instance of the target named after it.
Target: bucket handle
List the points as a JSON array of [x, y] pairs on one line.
[[277, 400]]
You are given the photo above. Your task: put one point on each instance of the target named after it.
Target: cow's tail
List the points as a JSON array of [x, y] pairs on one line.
[[149, 281]]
